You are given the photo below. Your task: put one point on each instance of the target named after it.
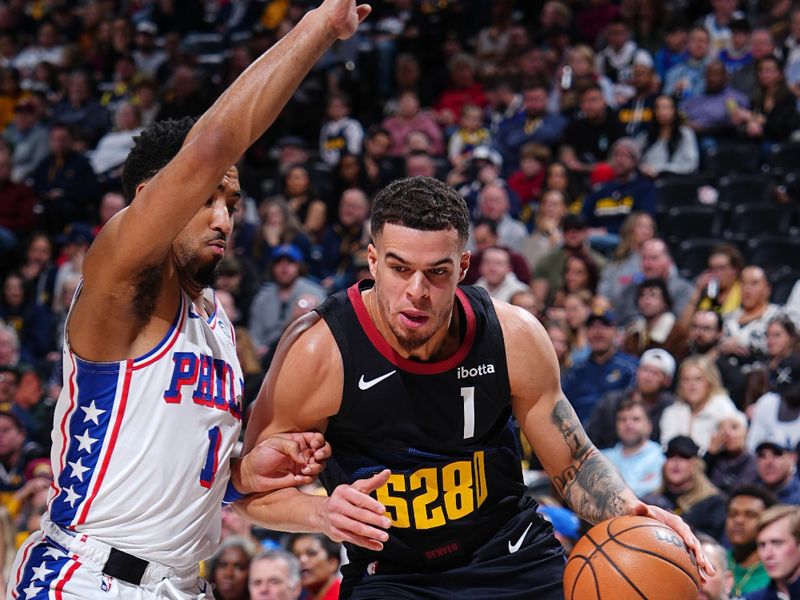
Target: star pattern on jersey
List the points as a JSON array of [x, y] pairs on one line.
[[40, 572], [54, 553], [92, 412], [77, 469], [85, 441], [72, 496], [30, 591]]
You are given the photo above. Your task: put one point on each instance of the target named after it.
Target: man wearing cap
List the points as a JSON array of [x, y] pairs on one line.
[[638, 458], [272, 305], [776, 462], [629, 191], [651, 388], [28, 138], [776, 415], [606, 369], [548, 276], [147, 56]]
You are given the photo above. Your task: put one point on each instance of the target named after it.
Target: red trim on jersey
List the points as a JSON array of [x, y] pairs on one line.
[[390, 354], [112, 441], [168, 345], [63, 426], [60, 585], [30, 545]]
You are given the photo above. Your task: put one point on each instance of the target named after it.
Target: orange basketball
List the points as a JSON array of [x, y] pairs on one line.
[[631, 558]]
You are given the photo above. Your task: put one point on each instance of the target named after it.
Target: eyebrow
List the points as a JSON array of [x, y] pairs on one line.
[[236, 194], [441, 261]]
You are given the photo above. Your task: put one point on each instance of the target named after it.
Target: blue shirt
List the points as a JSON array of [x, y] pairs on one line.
[[771, 592], [586, 382], [642, 470], [610, 205]]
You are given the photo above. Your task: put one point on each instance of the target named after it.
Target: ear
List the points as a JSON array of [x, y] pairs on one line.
[[372, 260], [463, 266], [139, 188]]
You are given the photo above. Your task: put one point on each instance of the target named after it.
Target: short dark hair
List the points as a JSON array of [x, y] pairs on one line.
[[331, 548], [152, 150], [753, 490], [655, 282], [490, 223], [733, 254], [421, 203], [629, 403]]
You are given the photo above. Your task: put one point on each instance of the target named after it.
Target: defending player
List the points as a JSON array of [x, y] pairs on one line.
[[421, 377], [151, 407]]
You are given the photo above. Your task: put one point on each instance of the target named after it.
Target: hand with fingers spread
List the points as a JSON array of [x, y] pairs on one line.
[[282, 460], [682, 529], [351, 515]]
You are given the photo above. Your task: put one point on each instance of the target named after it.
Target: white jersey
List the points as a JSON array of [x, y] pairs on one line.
[[141, 447]]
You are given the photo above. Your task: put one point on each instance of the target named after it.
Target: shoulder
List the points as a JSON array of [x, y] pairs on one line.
[[528, 348], [626, 360]]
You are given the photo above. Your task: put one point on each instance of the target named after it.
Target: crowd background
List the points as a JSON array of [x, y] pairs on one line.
[[632, 168]]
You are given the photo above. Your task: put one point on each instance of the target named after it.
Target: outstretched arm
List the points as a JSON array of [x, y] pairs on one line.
[[586, 480]]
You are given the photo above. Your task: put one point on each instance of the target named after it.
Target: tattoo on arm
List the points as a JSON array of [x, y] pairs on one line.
[[591, 485]]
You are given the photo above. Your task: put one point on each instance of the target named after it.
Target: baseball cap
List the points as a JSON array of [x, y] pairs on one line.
[[293, 141], [607, 316], [572, 221], [147, 27], [630, 145], [682, 445], [787, 373], [659, 358], [777, 446], [487, 153], [76, 233], [289, 251]]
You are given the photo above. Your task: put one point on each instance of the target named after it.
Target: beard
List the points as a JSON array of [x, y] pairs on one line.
[[199, 271], [412, 340]]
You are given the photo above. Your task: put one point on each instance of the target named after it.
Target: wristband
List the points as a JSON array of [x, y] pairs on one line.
[[232, 494]]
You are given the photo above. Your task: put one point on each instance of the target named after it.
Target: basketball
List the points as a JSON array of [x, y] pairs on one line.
[[631, 558]]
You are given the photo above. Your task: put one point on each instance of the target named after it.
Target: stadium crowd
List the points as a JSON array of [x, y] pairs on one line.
[[632, 168]]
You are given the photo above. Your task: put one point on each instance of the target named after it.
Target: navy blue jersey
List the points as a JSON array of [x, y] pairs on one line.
[[444, 429]]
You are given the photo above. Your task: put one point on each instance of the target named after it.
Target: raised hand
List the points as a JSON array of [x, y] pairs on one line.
[[343, 16], [351, 515], [282, 460]]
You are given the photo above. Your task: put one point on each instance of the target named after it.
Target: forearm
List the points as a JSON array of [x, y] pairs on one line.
[[284, 510]]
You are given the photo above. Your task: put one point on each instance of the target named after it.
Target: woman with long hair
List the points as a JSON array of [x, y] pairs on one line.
[[773, 114], [319, 565], [546, 234], [304, 200], [626, 263], [279, 225], [581, 273], [702, 402], [668, 145]]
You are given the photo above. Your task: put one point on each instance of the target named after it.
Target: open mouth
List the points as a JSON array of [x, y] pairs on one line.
[[413, 319]]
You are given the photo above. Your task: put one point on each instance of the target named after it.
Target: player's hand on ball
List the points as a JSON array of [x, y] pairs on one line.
[[283, 460], [678, 524], [351, 515]]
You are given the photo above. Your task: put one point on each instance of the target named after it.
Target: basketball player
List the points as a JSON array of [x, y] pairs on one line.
[[415, 380], [152, 402]]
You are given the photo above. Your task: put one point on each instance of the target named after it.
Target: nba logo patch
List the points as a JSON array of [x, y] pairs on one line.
[[106, 582], [372, 567]]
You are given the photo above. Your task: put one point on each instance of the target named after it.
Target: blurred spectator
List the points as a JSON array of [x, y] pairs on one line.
[[74, 242], [606, 369], [110, 204], [656, 264], [272, 305], [626, 264], [231, 278], [546, 234], [745, 79], [687, 491], [651, 387], [183, 96], [717, 586], [638, 458], [13, 303], [527, 182], [33, 408], [701, 404], [687, 79], [776, 415], [340, 132], [9, 348], [494, 204], [303, 200], [147, 55], [484, 236], [274, 575], [341, 240], [469, 134], [745, 329], [774, 113], [408, 118], [548, 275], [762, 376], [463, 88], [778, 542], [113, 147], [791, 52], [737, 55], [497, 278], [46, 49], [28, 138], [18, 205], [669, 146], [145, 98], [120, 88], [718, 288], [18, 459], [229, 568], [745, 505], [578, 71], [777, 463], [11, 95], [379, 169], [654, 325], [606, 209], [64, 181], [711, 112], [616, 60], [673, 52], [558, 332], [592, 20], [493, 40], [80, 111], [589, 137], [319, 564], [637, 113], [728, 460], [581, 275], [38, 270], [504, 103], [577, 308], [420, 164], [718, 22], [533, 123]]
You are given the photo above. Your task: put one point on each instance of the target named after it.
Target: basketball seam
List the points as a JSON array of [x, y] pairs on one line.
[[664, 558], [599, 548], [586, 563]]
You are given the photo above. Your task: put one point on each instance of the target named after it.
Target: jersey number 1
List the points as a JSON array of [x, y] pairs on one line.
[[209, 470], [468, 394]]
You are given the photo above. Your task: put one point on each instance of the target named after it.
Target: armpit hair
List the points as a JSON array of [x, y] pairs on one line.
[[147, 286]]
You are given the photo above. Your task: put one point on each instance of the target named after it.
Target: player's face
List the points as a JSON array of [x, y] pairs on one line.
[[270, 580], [416, 274], [316, 567], [201, 244], [741, 522], [230, 574], [778, 550]]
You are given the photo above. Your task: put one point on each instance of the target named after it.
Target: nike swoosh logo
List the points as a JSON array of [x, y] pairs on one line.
[[516, 546], [363, 384]]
